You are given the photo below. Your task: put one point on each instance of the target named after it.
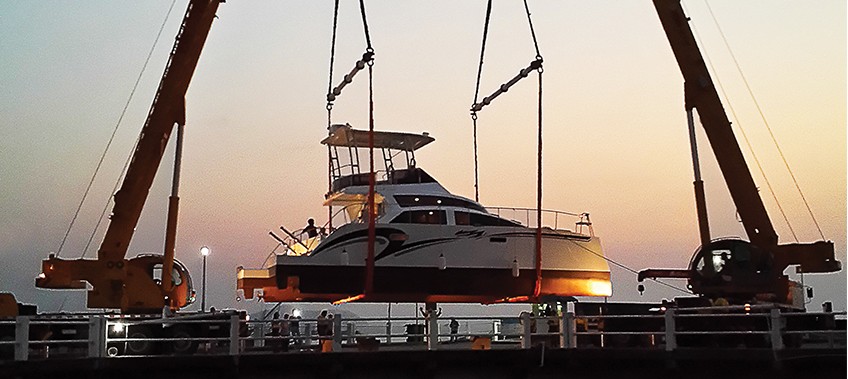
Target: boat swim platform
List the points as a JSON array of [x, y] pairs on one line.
[[458, 361]]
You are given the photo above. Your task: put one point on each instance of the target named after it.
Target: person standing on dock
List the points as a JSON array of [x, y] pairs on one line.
[[276, 326], [285, 332], [454, 329], [294, 328], [325, 330]]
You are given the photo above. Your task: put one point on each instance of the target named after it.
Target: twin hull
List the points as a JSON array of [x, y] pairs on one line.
[[444, 263]]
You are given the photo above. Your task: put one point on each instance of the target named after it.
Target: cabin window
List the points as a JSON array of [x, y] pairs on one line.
[[156, 274], [718, 259], [477, 219], [435, 201], [421, 217], [462, 218]]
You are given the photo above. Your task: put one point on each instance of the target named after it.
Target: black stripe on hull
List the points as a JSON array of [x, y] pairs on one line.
[[413, 283]]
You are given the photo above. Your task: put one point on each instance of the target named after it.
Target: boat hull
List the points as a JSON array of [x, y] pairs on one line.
[[417, 284], [442, 264]]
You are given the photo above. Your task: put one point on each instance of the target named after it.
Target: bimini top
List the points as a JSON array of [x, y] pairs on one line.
[[346, 136]]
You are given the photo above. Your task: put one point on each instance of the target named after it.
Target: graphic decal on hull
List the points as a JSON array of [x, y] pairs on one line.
[[394, 241]]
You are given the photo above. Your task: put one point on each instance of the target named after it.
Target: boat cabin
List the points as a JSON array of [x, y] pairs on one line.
[[404, 193]]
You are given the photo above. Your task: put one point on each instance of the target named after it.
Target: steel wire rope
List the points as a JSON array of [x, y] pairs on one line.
[[765, 121], [330, 109], [535, 65], [622, 266], [744, 135], [476, 97], [365, 24], [108, 201], [332, 93], [109, 144], [372, 211], [532, 30], [538, 286]]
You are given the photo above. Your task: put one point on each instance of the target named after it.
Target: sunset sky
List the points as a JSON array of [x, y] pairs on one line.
[[616, 143]]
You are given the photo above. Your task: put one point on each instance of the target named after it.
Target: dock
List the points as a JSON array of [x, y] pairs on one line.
[[538, 362]]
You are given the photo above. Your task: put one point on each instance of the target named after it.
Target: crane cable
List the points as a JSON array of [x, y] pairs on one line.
[[628, 269], [535, 65], [476, 97], [109, 144], [537, 288], [372, 208], [765, 122], [330, 110], [332, 94], [745, 138]]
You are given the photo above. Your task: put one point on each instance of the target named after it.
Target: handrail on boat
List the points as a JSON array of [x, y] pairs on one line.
[[583, 218], [294, 238]]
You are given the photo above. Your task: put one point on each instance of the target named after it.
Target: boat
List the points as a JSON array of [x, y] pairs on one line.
[[430, 244]]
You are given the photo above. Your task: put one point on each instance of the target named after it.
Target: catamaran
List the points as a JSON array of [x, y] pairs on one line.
[[430, 245]]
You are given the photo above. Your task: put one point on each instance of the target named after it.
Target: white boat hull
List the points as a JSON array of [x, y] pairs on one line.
[[415, 262]]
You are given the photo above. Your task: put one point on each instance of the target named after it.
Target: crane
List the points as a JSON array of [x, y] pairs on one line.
[[130, 284], [733, 269]]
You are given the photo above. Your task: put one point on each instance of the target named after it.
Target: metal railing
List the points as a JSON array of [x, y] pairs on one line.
[[98, 336], [550, 217]]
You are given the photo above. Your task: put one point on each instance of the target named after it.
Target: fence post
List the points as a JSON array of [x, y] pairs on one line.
[[337, 332], [351, 333], [775, 329], [21, 338], [96, 336], [234, 334], [260, 334], [432, 329], [389, 332], [526, 333], [307, 333], [568, 331], [670, 336]]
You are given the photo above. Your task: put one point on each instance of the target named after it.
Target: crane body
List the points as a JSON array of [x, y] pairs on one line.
[[731, 268], [129, 284]]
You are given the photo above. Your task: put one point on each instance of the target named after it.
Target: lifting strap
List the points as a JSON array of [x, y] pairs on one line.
[[332, 94], [477, 93], [535, 65], [330, 112]]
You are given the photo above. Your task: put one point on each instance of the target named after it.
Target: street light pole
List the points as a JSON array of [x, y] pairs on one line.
[[204, 251]]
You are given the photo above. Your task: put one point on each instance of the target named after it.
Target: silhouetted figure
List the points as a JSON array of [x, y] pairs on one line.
[[454, 329], [276, 329], [325, 331], [324, 324], [295, 329], [310, 230]]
